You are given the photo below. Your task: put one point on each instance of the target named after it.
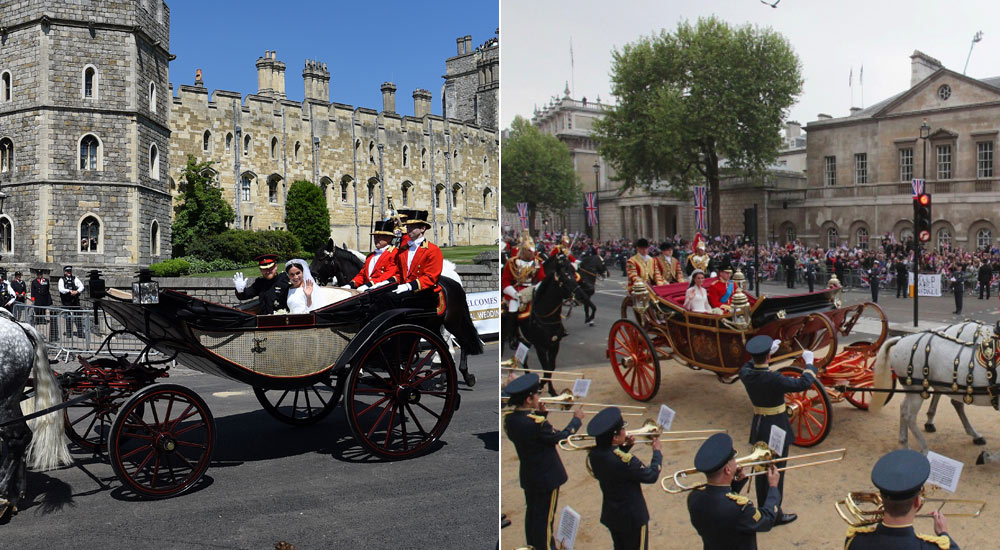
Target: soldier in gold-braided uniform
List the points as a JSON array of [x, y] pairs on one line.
[[641, 267], [520, 272], [700, 258], [667, 266]]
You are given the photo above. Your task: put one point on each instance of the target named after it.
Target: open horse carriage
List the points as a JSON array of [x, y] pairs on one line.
[[395, 372], [663, 329]]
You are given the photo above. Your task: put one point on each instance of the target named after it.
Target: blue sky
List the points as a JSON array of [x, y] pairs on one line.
[[362, 43]]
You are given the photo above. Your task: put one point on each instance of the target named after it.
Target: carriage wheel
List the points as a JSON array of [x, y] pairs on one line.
[[302, 406], [634, 360], [88, 422], [401, 392], [809, 413], [861, 399], [162, 440]]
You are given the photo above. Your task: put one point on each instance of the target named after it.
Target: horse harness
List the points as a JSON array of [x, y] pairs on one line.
[[987, 351]]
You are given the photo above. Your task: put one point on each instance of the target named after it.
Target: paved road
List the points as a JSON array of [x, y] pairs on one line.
[[311, 486]]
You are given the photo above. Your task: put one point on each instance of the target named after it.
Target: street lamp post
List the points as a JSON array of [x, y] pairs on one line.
[[925, 132], [596, 231]]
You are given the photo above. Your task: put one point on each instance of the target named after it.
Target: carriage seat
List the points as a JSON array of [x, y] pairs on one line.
[[674, 292]]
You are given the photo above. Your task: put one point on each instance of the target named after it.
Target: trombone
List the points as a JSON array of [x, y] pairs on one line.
[[649, 431], [543, 378], [567, 399], [758, 460], [865, 508]]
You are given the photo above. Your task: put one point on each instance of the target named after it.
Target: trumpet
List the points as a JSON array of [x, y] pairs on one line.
[[649, 431], [866, 508], [758, 460], [543, 376]]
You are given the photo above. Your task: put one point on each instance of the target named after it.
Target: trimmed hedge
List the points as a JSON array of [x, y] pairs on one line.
[[170, 268], [242, 247]]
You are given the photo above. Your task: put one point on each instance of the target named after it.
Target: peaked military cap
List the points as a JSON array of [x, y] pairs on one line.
[[759, 345], [266, 261], [901, 474], [714, 453], [609, 420], [522, 386]]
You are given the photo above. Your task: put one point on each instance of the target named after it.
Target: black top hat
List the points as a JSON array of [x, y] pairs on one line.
[[418, 217], [405, 213], [714, 453], [641, 243], [666, 245], [384, 228], [606, 422], [901, 474]]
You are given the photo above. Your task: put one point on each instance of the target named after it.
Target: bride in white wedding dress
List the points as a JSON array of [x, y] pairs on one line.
[[304, 294]]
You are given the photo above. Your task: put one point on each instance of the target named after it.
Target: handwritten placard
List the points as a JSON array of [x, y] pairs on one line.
[[521, 355], [929, 284], [581, 386], [665, 418], [569, 523], [945, 471], [777, 440]]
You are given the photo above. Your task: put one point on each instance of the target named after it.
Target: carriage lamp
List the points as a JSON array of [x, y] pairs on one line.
[[145, 290], [740, 302], [640, 297], [97, 287]]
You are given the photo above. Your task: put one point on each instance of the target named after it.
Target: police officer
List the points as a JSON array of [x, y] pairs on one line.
[[41, 297], [810, 273], [20, 292], [902, 278], [788, 261], [70, 288], [900, 477], [623, 508], [724, 519], [985, 278], [541, 470], [271, 286], [958, 288], [875, 278], [767, 391]]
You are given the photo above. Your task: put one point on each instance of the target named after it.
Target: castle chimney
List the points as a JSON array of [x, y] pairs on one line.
[[316, 78], [793, 129], [922, 66], [388, 97], [461, 42], [823, 116], [264, 75], [277, 76], [421, 103], [468, 43]]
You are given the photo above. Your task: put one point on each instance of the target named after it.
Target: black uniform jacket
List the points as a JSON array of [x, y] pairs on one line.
[[985, 273], [273, 293], [767, 389], [535, 441], [728, 521], [894, 538], [19, 289], [40, 292], [620, 475]]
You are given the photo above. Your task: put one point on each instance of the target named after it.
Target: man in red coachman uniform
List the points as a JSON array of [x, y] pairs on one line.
[[419, 264], [380, 266]]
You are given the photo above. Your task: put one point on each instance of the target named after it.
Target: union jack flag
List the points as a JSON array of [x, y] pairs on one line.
[[522, 212], [591, 207], [918, 187], [700, 207]]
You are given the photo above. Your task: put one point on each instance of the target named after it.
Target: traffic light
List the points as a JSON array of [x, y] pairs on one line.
[[922, 216], [749, 223]]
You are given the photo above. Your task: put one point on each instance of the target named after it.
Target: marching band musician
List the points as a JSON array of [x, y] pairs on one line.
[[667, 267], [541, 469], [724, 519], [519, 272], [380, 266], [767, 390], [900, 477], [623, 508], [640, 267]]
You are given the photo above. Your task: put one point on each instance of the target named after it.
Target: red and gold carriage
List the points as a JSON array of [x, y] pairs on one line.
[[661, 329]]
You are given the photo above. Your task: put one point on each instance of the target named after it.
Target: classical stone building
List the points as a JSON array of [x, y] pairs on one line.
[[471, 89], [92, 142], [84, 133]]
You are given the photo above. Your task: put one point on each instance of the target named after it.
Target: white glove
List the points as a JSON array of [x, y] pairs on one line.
[[403, 288], [513, 305], [510, 291], [347, 287], [240, 281], [807, 356], [376, 285], [774, 346], [363, 288]]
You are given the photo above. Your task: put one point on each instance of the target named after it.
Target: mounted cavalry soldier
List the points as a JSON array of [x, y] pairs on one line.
[[699, 257], [667, 267], [641, 267], [564, 246], [271, 286], [767, 390], [900, 477], [519, 273], [380, 266]]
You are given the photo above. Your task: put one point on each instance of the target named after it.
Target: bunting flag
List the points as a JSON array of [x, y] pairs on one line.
[[522, 212], [700, 207], [590, 200], [918, 186]]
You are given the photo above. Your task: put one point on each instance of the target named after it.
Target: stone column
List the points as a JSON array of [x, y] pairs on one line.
[[654, 221]]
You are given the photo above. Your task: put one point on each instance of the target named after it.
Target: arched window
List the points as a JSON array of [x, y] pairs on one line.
[[862, 237], [343, 187], [298, 147], [245, 188], [152, 97], [487, 200], [905, 235], [406, 192], [6, 235], [944, 239], [454, 194], [90, 153], [274, 148], [372, 182], [154, 238], [326, 184], [406, 155], [154, 162], [206, 141], [272, 190], [437, 195], [790, 234], [6, 155], [90, 82], [984, 238], [486, 164], [371, 152], [229, 141], [6, 87], [90, 234], [247, 142], [832, 240], [423, 158]]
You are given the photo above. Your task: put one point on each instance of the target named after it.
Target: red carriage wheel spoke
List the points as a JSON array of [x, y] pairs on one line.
[[402, 425], [374, 391], [134, 435], [188, 413], [379, 420], [191, 445], [156, 419], [139, 449], [156, 470], [170, 406], [440, 394], [373, 405], [432, 413], [152, 453], [431, 375], [415, 420], [391, 371], [407, 374], [187, 429], [388, 432]]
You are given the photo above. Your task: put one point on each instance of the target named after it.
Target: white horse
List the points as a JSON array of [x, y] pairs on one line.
[[949, 360]]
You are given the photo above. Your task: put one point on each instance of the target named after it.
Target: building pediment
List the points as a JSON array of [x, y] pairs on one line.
[[943, 134], [944, 89]]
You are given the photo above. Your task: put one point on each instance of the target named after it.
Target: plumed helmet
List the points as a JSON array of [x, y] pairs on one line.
[[526, 241]]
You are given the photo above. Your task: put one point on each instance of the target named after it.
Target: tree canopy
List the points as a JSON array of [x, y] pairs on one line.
[[694, 99], [306, 214], [201, 211], [536, 168]]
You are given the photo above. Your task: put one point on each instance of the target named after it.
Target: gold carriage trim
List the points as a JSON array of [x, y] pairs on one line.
[[279, 353], [769, 411]]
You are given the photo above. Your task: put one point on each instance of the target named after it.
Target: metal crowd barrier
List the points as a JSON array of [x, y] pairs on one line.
[[72, 331]]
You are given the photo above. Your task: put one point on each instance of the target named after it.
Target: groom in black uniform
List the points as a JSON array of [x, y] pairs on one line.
[[271, 286]]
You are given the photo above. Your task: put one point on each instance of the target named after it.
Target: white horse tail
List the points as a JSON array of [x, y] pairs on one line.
[[883, 375], [49, 445], [449, 270]]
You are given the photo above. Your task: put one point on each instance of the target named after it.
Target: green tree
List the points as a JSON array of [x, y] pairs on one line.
[[688, 101], [536, 168], [306, 214], [202, 211]]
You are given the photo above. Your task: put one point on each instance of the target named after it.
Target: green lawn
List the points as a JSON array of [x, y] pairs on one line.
[[457, 254]]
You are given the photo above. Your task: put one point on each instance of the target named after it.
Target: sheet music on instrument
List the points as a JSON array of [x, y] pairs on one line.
[[945, 471], [521, 355], [569, 523], [777, 440], [665, 418], [580, 387]]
